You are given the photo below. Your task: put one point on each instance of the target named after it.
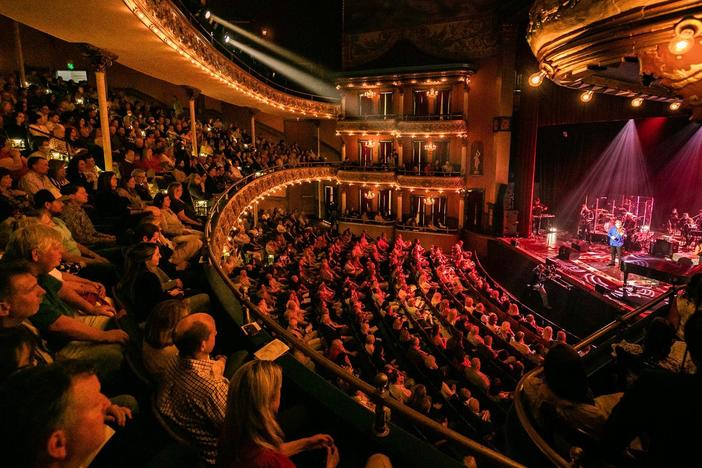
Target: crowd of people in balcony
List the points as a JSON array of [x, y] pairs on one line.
[[98, 265]]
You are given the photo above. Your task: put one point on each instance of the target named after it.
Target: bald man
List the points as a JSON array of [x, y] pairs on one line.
[[194, 394]]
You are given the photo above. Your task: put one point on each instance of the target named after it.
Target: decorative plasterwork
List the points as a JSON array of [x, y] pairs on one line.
[[383, 126], [574, 39], [449, 127], [403, 128], [166, 21], [434, 183], [358, 177]]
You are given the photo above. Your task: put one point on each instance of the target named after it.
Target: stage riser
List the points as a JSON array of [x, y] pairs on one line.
[[577, 310]]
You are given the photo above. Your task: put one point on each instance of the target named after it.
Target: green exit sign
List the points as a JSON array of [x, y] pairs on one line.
[[70, 65]]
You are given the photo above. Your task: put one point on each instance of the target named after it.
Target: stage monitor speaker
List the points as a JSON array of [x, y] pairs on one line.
[[568, 253], [663, 248], [581, 245]]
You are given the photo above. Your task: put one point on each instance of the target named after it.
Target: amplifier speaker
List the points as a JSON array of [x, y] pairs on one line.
[[663, 248], [568, 253], [581, 245]]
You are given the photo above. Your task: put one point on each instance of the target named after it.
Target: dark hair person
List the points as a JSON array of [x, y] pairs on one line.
[[144, 284], [108, 203]]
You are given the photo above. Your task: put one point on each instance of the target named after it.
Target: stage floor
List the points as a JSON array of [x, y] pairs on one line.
[[591, 269]]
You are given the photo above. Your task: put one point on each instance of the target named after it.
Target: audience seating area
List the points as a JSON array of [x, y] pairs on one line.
[[102, 274]]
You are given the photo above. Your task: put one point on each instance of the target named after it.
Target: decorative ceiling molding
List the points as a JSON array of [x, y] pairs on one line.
[[167, 22], [575, 41]]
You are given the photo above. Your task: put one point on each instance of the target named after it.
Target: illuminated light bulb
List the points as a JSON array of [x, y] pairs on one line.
[[674, 105], [586, 96], [227, 38], [208, 14], [682, 42], [637, 102], [536, 79]]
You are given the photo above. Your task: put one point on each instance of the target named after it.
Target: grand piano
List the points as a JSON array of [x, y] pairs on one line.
[[657, 268]]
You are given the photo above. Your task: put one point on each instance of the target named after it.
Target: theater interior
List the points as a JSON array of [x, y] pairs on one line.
[[350, 233]]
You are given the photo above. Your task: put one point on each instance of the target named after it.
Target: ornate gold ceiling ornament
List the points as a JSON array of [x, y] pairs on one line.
[[585, 43]]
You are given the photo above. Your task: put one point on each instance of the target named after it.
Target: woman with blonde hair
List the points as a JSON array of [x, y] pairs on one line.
[[252, 437], [158, 350]]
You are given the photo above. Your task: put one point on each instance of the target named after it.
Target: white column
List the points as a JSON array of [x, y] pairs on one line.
[[20, 54], [104, 117], [343, 151], [193, 125], [253, 130], [343, 201]]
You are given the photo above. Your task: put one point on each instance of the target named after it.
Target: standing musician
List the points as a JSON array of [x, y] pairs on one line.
[[686, 225], [538, 209], [586, 218], [616, 241], [673, 221], [698, 250]]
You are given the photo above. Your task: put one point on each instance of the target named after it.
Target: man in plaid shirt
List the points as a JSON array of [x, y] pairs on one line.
[[194, 394]]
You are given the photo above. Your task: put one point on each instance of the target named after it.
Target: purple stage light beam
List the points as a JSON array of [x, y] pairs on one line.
[[620, 170], [681, 179]]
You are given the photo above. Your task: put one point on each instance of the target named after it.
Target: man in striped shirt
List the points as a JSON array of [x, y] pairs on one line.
[[194, 395]]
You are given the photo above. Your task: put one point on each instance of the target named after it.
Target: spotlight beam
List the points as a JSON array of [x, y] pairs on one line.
[[293, 57], [303, 79]]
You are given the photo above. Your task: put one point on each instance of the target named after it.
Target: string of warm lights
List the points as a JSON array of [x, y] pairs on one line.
[[397, 134], [224, 79], [686, 33]]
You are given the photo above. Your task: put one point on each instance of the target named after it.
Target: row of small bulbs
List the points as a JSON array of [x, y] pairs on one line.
[[536, 79]]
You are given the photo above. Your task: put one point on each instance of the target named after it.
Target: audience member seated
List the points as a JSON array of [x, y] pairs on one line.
[[663, 409], [78, 221], [92, 264], [37, 177], [55, 416], [158, 350], [251, 436], [71, 335], [144, 283], [564, 387], [193, 395]]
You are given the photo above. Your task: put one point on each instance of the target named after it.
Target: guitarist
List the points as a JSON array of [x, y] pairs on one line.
[[616, 240]]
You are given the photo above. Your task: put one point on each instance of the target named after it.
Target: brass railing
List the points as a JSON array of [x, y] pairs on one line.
[[380, 398]]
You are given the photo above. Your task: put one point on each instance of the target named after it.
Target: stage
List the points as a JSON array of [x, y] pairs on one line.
[[591, 269], [586, 293]]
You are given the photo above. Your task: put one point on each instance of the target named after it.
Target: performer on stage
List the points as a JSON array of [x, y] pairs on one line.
[[698, 250], [673, 221], [538, 208], [584, 226], [616, 241]]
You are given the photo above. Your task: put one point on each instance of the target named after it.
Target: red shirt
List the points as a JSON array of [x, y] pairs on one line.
[[260, 457]]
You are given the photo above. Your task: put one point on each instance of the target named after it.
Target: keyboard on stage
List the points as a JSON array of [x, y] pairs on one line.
[[656, 268]]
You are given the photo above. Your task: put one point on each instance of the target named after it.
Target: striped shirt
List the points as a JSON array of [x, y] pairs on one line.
[[194, 399]]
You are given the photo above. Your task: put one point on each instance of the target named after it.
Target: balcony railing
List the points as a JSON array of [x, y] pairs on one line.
[[222, 215], [410, 117], [379, 167], [455, 116]]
